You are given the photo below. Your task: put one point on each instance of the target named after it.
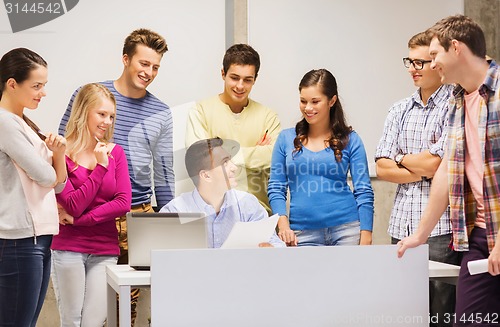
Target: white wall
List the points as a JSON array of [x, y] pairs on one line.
[[362, 42], [85, 45]]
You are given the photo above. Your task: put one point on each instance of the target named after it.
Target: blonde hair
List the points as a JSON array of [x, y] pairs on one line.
[[78, 135]]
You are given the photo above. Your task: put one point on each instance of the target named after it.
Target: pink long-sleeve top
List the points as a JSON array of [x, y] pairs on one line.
[[94, 198]]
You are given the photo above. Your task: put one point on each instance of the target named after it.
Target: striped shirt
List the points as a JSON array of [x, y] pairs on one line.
[[412, 127], [462, 203], [144, 129]]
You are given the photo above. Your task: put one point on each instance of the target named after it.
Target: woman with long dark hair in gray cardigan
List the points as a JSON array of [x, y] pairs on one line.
[[32, 169]]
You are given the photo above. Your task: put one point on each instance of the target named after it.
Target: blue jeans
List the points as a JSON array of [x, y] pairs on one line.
[[24, 278], [346, 234]]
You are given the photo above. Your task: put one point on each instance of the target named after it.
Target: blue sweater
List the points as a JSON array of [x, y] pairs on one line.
[[319, 194]]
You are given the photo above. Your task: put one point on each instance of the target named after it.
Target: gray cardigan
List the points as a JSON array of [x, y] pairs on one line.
[[16, 221]]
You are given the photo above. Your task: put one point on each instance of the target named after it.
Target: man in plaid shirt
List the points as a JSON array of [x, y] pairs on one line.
[[409, 154], [469, 177]]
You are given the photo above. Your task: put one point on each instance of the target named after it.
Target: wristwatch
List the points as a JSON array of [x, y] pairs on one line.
[[399, 158]]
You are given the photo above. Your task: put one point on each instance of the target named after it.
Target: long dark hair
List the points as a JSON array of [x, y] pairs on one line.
[[18, 64], [339, 130]]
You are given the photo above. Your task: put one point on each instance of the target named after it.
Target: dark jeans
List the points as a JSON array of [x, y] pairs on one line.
[[441, 295], [24, 278], [478, 296]]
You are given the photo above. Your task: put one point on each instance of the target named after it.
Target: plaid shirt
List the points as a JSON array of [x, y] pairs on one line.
[[462, 203], [411, 127]]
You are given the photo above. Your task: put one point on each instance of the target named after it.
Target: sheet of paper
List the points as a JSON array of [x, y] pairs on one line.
[[250, 234], [478, 266]]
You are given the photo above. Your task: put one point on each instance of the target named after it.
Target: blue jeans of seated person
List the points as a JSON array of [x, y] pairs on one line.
[[24, 279], [441, 295], [345, 234]]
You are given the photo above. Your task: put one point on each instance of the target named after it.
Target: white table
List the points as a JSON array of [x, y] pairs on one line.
[[443, 272], [121, 278]]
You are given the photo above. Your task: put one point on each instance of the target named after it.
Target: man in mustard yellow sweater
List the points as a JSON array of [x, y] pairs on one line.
[[233, 115]]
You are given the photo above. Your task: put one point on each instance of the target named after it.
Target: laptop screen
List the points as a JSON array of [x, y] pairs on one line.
[[157, 231]]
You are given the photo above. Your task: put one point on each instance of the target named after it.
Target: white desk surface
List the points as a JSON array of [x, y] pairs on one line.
[[125, 275], [120, 278], [439, 269]]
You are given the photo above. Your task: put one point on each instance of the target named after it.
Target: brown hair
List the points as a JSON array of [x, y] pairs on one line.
[[460, 28], [198, 157], [338, 126], [18, 64], [241, 54], [145, 37], [422, 39]]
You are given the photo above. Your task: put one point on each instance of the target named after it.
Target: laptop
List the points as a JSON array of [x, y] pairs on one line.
[[158, 231]]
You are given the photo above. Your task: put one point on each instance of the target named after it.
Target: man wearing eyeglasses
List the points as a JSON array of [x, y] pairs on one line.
[[208, 163], [409, 153], [469, 177]]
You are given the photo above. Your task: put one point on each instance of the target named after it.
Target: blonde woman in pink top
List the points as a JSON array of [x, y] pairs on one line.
[[97, 191], [31, 166]]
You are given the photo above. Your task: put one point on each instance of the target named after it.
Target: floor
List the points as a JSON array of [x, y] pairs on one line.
[[49, 317]]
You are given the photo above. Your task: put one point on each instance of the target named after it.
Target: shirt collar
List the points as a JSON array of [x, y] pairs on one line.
[[204, 206], [415, 97], [491, 81], [492, 77], [440, 95], [198, 200]]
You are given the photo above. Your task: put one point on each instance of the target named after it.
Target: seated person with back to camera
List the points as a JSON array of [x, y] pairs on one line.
[[208, 163]]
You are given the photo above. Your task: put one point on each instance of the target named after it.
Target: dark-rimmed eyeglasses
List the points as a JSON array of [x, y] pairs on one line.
[[418, 64]]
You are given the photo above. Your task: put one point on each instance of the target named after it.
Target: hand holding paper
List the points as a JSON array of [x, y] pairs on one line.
[[251, 234], [477, 266]]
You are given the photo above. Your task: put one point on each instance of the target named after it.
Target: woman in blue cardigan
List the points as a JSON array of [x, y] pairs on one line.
[[312, 162]]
